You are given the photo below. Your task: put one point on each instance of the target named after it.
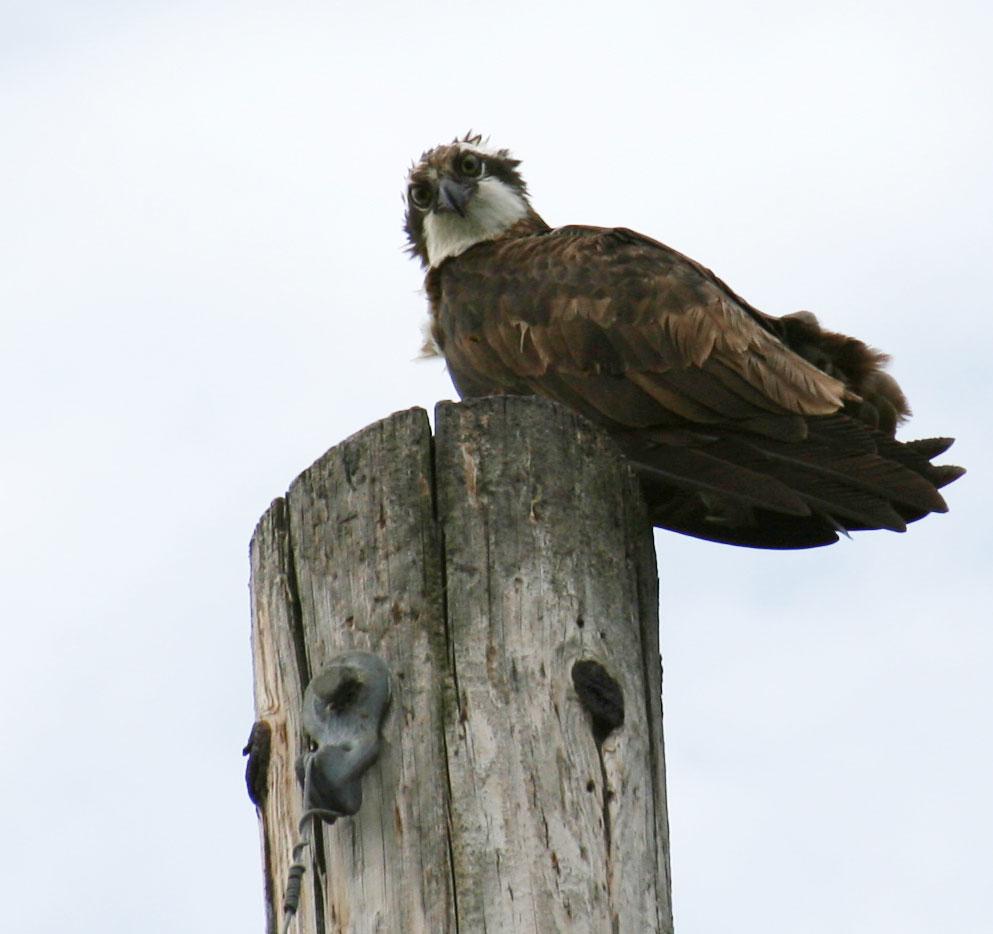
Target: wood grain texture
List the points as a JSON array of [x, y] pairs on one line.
[[480, 568], [280, 678], [544, 567]]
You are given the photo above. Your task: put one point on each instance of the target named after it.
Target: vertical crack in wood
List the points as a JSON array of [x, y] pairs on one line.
[[296, 610], [444, 737], [319, 874], [605, 805], [318, 866], [441, 555], [603, 699]]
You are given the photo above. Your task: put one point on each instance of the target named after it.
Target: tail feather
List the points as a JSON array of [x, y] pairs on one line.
[[700, 471], [747, 489], [943, 474], [929, 448], [869, 473], [917, 455]]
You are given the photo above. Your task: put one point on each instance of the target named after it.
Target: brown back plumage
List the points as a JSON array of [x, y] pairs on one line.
[[744, 428]]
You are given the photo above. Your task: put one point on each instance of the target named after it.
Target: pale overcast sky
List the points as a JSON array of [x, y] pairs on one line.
[[202, 288]]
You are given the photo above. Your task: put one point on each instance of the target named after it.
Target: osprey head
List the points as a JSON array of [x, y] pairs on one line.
[[459, 195]]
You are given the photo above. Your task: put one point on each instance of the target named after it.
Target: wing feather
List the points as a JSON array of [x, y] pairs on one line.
[[582, 301]]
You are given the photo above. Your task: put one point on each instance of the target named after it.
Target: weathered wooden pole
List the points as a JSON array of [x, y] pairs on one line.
[[505, 572]]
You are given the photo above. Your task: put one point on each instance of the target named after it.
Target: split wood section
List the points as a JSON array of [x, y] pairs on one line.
[[481, 565]]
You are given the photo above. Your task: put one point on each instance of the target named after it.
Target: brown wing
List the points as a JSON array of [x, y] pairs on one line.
[[624, 328], [693, 382]]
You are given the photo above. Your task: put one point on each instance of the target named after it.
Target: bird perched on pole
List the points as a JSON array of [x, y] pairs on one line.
[[743, 428]]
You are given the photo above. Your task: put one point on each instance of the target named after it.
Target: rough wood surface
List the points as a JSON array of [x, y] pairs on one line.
[[281, 675], [481, 568]]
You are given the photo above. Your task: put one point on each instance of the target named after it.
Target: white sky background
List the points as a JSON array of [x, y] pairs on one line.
[[202, 288]]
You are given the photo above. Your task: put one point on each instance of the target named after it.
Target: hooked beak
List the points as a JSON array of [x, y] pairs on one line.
[[453, 196]]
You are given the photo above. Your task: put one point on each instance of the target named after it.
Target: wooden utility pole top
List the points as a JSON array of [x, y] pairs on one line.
[[505, 573]]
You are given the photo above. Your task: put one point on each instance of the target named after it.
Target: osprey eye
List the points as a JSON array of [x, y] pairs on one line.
[[470, 164], [420, 195]]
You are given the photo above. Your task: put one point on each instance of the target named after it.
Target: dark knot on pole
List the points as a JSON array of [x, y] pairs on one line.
[[601, 695]]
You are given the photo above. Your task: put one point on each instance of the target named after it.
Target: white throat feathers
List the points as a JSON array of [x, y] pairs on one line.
[[494, 208]]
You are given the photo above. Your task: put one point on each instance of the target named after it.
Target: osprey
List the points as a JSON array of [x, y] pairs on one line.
[[743, 428]]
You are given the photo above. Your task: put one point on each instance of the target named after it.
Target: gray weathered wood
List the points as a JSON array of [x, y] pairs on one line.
[[480, 568], [280, 678]]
